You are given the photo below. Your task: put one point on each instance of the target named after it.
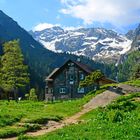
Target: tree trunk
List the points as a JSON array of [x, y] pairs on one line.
[[8, 98], [15, 94]]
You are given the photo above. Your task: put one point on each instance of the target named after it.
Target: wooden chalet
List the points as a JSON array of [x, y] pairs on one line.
[[63, 82]]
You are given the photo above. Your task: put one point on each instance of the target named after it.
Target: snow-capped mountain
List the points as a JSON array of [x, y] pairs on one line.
[[96, 43]]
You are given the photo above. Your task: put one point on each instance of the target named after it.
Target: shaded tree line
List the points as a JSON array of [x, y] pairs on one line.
[[130, 69]]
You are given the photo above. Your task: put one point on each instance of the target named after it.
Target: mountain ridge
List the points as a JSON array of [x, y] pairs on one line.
[[96, 43]]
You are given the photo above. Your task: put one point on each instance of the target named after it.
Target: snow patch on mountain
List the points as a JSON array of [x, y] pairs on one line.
[[96, 43], [50, 45]]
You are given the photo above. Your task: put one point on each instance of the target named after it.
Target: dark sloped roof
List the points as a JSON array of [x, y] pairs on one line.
[[52, 73], [84, 67], [108, 80]]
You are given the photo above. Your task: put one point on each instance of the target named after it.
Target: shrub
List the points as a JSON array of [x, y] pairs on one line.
[[126, 98], [102, 115], [31, 96], [128, 106], [23, 137], [124, 103], [125, 106], [118, 117], [27, 96], [9, 119], [45, 119], [32, 127], [11, 132]]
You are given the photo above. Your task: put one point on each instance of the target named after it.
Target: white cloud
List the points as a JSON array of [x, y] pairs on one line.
[[116, 12], [71, 27], [71, 2], [43, 26]]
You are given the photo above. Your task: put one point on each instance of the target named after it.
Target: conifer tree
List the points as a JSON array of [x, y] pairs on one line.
[[0, 75], [135, 74], [14, 72]]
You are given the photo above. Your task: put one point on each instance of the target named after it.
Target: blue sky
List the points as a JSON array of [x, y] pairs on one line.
[[120, 15]]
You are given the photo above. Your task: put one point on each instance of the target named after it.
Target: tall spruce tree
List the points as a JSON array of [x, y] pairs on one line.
[[14, 73]]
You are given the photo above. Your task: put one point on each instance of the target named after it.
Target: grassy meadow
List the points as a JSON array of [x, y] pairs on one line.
[[119, 120], [29, 115], [135, 83]]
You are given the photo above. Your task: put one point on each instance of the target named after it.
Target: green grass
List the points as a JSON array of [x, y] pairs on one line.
[[12, 113], [119, 120], [10, 131], [134, 83]]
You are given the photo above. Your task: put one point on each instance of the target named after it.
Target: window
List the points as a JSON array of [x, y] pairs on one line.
[[62, 90], [71, 82], [81, 90], [71, 64], [82, 76], [50, 90], [71, 77]]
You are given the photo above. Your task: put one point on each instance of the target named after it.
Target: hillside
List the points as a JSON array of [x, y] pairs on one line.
[[130, 62], [82, 120], [28, 116], [117, 121]]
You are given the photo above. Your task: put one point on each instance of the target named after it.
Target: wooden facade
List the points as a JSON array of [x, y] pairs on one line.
[[63, 82]]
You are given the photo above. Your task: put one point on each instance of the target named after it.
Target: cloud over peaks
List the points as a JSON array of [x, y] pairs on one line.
[[43, 26], [116, 12]]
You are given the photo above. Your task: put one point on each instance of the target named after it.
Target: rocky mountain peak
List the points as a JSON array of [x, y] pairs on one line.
[[96, 43]]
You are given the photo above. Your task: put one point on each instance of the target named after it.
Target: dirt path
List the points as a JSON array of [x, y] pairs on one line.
[[128, 89], [100, 100]]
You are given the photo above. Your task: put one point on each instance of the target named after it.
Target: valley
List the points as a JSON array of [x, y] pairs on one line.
[[69, 70]]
